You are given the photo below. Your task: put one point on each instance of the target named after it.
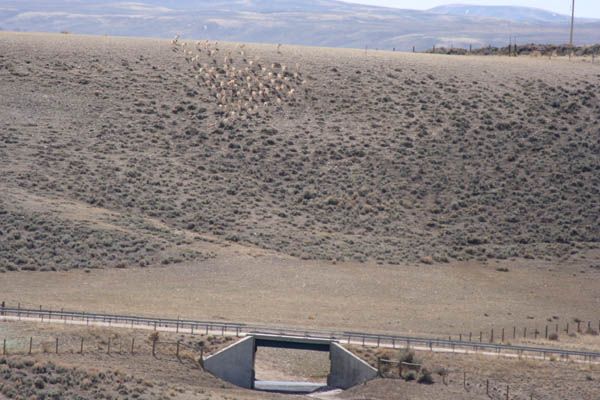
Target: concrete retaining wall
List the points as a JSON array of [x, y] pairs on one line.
[[234, 364], [347, 370]]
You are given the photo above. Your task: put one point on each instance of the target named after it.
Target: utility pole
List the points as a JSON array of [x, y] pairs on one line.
[[572, 24]]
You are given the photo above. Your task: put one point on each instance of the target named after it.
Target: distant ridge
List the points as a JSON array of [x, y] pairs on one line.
[[509, 13], [313, 22]]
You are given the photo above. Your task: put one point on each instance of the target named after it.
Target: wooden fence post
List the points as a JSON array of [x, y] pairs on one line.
[[132, 345], [154, 347], [30, 344], [56, 345], [108, 349], [487, 387], [81, 346], [178, 350], [502, 335], [507, 392], [492, 336], [514, 332], [546, 331], [4, 347]]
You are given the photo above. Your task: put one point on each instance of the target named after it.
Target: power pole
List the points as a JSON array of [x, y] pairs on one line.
[[572, 24]]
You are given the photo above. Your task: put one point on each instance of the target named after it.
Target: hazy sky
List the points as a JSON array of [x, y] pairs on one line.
[[583, 8]]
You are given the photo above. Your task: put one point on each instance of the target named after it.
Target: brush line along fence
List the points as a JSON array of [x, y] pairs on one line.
[[238, 329]]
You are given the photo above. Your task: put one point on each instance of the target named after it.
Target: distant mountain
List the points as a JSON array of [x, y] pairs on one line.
[[508, 13], [306, 22]]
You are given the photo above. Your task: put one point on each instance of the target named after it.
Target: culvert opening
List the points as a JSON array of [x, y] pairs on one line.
[[236, 364], [290, 370]]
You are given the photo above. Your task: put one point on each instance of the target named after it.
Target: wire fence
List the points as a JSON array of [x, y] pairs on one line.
[[462, 345], [110, 345], [469, 381]]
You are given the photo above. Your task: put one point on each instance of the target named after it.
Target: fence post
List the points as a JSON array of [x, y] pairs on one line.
[[514, 332], [465, 380], [108, 349], [546, 331], [470, 334], [492, 336], [379, 366], [567, 328], [132, 345], [56, 345], [177, 326], [502, 335], [480, 336], [178, 350], [81, 346], [487, 387], [30, 344], [154, 340], [4, 347], [525, 332], [507, 392]]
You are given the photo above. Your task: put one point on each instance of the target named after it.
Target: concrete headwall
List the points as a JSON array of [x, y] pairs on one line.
[[234, 364], [347, 370]]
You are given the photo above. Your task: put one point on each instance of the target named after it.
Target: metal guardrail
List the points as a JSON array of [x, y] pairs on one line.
[[240, 329]]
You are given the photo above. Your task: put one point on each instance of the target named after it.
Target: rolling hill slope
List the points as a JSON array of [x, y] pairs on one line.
[[379, 156]]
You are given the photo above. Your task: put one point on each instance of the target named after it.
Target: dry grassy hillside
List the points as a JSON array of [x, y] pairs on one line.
[[383, 156]]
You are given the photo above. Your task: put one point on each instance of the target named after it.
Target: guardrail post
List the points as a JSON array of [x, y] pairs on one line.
[[19, 311], [207, 329], [502, 335], [348, 339], [378, 341], [480, 336], [393, 343], [237, 331], [177, 326], [470, 336]]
